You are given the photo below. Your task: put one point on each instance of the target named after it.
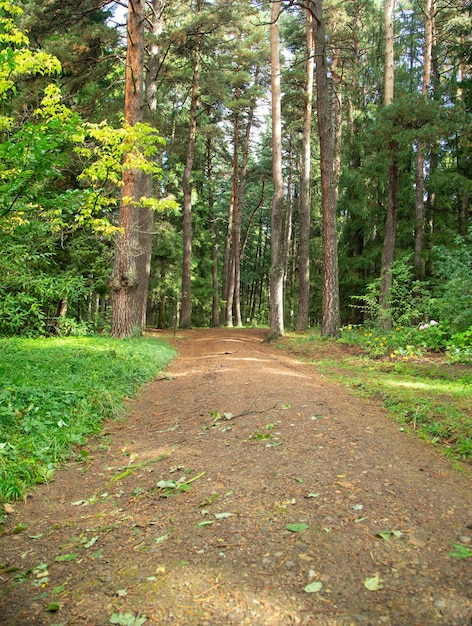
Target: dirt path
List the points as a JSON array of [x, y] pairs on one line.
[[259, 442]]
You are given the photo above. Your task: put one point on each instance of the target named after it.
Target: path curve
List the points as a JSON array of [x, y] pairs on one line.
[[259, 442]]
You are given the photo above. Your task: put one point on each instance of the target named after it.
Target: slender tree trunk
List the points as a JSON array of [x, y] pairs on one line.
[[420, 159], [227, 285], [215, 321], [235, 223], [385, 320], [276, 296], [304, 207], [126, 301], [239, 204], [146, 217], [463, 165], [186, 310], [330, 320]]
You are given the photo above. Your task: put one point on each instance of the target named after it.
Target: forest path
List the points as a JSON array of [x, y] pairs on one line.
[[244, 488]]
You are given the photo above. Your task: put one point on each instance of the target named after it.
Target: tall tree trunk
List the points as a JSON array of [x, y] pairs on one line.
[[304, 207], [227, 283], [186, 310], [146, 217], [215, 314], [239, 204], [420, 159], [235, 224], [385, 320], [276, 296], [126, 299], [330, 320]]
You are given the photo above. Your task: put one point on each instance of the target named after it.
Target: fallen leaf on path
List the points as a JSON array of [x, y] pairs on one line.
[[297, 528], [374, 583]]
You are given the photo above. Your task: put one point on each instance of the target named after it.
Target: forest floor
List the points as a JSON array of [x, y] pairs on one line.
[[243, 487]]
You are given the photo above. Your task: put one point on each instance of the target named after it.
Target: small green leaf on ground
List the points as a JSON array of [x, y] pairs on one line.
[[205, 522], [460, 552], [313, 495], [224, 515], [91, 542], [53, 607], [313, 587], [388, 534], [209, 500], [66, 557], [297, 528], [374, 583], [19, 528], [98, 554], [162, 538], [59, 589]]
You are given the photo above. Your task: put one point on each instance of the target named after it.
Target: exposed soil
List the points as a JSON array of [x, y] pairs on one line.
[[263, 441]]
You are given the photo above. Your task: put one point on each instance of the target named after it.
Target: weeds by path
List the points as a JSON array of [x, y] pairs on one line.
[[432, 398], [56, 391]]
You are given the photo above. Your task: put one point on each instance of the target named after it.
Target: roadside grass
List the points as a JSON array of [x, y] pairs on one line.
[[426, 394], [54, 392]]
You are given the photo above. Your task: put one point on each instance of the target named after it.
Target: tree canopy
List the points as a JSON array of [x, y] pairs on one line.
[[387, 132]]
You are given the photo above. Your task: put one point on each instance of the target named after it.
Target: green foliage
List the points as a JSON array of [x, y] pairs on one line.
[[16, 59], [452, 293], [55, 392], [407, 298]]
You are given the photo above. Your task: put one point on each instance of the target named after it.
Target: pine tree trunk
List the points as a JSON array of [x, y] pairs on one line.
[[385, 320], [386, 279], [186, 309], [235, 223], [304, 207], [420, 158], [330, 320], [215, 321], [276, 296], [126, 301]]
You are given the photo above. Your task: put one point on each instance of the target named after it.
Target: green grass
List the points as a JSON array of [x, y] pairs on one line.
[[428, 396], [54, 392]]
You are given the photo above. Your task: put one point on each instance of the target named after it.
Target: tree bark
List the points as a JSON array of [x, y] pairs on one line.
[[127, 311], [234, 227], [385, 320], [146, 217], [276, 295], [420, 159], [238, 250], [186, 309], [330, 320], [215, 321], [304, 207]]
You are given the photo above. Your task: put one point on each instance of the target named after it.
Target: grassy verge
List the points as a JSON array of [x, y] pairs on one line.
[[56, 391], [425, 394]]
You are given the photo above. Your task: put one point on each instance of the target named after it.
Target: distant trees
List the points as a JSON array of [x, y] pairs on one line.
[[244, 212]]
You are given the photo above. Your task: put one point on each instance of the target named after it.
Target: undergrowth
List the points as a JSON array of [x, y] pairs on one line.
[[54, 392], [426, 394]]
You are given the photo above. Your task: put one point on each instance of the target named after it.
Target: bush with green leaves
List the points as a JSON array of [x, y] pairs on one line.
[[407, 301], [452, 291]]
